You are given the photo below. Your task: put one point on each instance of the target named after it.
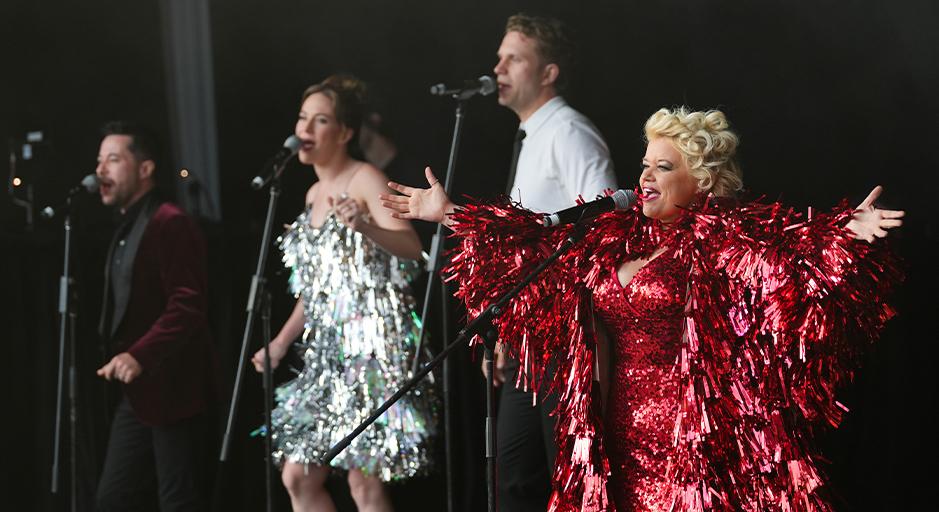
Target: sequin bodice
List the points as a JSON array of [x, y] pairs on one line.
[[644, 321]]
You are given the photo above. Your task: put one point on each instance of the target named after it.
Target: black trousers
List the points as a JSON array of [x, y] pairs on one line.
[[525, 448], [147, 465]]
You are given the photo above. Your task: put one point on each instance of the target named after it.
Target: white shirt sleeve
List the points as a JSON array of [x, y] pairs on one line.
[[583, 160]]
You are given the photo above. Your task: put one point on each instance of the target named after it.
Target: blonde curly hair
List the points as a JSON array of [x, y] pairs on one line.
[[706, 142]]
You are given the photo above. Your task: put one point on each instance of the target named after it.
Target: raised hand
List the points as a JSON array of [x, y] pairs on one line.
[[870, 222], [430, 204]]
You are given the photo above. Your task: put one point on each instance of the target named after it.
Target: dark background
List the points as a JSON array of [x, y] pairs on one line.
[[830, 99]]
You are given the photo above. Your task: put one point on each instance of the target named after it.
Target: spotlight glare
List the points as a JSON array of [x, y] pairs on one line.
[[17, 181], [183, 173]]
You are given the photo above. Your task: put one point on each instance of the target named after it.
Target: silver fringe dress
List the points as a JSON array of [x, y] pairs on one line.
[[357, 346]]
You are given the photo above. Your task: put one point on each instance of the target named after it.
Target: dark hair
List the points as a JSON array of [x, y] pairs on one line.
[[553, 42], [143, 142], [349, 96]]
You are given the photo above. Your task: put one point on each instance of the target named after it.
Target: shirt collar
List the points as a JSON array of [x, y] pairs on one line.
[[541, 115], [131, 214]]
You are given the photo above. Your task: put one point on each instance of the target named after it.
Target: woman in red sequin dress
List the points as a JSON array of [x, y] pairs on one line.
[[726, 326]]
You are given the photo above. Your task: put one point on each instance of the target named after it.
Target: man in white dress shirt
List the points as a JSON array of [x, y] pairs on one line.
[[559, 155]]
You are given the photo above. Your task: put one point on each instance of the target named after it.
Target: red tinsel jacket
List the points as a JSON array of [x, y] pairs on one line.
[[780, 305]]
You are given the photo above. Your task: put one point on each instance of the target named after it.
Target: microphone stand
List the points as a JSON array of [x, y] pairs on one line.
[[268, 398], [67, 322], [436, 249], [255, 297], [483, 327]]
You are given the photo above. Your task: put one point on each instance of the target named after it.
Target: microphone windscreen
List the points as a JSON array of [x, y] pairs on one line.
[[624, 199], [90, 182], [293, 143], [487, 85]]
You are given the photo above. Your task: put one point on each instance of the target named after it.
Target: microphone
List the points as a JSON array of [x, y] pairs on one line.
[[484, 86], [291, 147], [620, 200], [88, 184]]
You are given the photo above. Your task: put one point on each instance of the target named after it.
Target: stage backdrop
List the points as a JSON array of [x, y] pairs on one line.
[[830, 99]]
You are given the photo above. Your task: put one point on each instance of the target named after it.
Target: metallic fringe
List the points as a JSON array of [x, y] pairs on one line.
[[358, 343], [780, 307]]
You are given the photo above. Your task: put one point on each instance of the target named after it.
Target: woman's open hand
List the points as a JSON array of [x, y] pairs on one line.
[[870, 222], [430, 204]]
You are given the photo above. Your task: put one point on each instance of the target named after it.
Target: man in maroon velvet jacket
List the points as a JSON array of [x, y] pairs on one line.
[[154, 321]]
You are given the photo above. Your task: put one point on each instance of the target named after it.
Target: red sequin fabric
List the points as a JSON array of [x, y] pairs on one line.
[[728, 348], [643, 321]]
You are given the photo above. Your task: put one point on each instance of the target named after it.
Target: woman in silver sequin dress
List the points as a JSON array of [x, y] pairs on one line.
[[351, 263]]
